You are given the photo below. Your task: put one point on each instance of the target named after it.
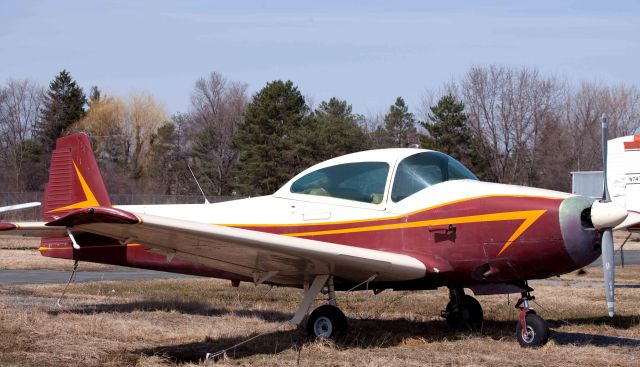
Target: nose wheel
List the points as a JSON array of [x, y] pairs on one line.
[[531, 330], [463, 312]]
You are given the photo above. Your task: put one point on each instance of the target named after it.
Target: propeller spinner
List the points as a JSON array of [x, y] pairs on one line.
[[605, 215]]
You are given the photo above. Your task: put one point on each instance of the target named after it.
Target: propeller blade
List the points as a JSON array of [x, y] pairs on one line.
[[605, 138], [609, 268]]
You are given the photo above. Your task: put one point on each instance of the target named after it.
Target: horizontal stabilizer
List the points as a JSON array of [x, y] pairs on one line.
[[98, 214], [31, 229]]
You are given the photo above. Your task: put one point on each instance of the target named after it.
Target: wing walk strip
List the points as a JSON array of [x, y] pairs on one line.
[[529, 217]]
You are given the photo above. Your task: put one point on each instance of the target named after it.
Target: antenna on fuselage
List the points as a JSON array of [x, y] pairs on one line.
[[197, 183]]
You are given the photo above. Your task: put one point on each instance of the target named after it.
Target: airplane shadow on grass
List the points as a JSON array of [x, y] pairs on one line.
[[189, 308], [378, 334], [363, 333]]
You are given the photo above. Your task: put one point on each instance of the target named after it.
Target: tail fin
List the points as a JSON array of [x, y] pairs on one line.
[[74, 178]]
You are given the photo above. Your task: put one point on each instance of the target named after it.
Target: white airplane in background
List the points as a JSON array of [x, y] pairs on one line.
[[401, 219]]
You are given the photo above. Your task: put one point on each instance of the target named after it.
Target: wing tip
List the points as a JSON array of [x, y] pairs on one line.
[[7, 226]]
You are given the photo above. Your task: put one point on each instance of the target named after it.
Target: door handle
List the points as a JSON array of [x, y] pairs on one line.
[[445, 228]]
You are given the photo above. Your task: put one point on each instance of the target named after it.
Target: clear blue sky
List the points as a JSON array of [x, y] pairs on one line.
[[367, 52]]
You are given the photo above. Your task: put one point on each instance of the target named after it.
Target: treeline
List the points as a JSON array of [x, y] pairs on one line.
[[511, 125]]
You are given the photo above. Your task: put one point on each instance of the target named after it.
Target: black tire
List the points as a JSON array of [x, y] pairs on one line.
[[538, 332], [326, 322], [468, 316]]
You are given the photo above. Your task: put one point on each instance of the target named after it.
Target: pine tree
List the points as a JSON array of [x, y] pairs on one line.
[[204, 145], [64, 104], [270, 139], [400, 125], [447, 128], [334, 131], [95, 95], [448, 132]]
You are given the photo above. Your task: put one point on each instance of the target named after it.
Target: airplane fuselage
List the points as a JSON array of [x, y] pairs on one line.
[[466, 232]]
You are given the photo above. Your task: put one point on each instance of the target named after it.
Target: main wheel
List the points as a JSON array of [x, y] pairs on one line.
[[537, 333], [326, 322], [465, 316]]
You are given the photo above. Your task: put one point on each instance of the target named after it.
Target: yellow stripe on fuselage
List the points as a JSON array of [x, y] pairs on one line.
[[529, 217], [44, 248]]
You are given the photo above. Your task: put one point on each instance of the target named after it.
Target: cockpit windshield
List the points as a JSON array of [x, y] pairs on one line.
[[426, 169], [362, 181]]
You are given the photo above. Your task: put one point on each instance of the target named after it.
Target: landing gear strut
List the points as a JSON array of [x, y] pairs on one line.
[[326, 321], [531, 330], [463, 312]]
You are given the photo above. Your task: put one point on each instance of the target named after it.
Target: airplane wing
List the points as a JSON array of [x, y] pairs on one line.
[[13, 208], [31, 229], [258, 255]]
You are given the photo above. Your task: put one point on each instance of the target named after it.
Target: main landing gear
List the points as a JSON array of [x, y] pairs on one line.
[[463, 312], [326, 321], [531, 330]]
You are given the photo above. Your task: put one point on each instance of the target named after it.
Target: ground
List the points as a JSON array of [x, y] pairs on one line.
[[165, 322]]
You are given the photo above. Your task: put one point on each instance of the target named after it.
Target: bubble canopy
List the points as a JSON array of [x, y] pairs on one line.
[[365, 181], [422, 170]]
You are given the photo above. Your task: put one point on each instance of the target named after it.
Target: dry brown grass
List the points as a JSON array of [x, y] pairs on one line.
[[632, 244], [627, 275], [169, 321], [22, 253], [17, 242], [164, 322], [32, 259]]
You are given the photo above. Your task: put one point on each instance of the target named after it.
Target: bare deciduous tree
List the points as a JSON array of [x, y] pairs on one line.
[[143, 116], [508, 108], [583, 110], [217, 108], [20, 102]]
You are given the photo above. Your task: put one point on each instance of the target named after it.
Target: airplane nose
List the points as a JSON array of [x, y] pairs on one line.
[[581, 239]]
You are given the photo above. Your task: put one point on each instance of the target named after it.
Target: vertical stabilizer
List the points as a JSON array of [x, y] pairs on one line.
[[74, 178]]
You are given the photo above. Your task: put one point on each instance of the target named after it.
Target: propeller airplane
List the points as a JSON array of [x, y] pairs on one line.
[[398, 219]]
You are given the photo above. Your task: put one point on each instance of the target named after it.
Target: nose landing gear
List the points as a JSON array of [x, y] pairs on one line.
[[531, 330], [463, 312]]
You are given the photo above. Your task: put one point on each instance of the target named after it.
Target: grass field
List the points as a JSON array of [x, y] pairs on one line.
[[176, 321], [164, 322]]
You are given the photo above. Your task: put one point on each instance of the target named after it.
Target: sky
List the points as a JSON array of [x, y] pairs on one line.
[[366, 52]]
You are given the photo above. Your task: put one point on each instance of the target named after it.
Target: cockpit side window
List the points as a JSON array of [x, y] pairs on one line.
[[362, 181], [426, 169]]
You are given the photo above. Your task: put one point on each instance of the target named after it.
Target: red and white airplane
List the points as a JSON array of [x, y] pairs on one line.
[[401, 219]]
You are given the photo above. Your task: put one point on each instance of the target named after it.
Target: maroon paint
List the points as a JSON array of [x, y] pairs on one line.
[[7, 226], [537, 253], [95, 215]]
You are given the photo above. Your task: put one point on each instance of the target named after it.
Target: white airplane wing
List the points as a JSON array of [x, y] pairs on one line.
[[31, 229], [13, 208], [258, 255]]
